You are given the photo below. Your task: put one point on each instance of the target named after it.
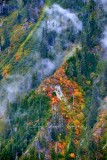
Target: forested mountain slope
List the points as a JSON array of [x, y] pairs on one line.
[[53, 80]]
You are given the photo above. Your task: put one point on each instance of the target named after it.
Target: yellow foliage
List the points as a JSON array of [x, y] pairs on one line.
[[72, 113], [80, 116], [76, 122], [88, 83], [72, 155]]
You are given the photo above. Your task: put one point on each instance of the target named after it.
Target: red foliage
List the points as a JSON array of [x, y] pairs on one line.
[[70, 109]]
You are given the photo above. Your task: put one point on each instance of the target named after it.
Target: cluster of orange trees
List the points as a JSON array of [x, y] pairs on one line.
[[70, 105]]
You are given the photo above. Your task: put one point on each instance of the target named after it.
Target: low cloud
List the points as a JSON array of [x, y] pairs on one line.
[[59, 19]]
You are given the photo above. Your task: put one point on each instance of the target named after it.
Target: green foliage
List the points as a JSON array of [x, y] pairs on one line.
[[25, 119], [91, 30], [6, 38], [81, 66], [74, 4], [32, 155], [95, 103], [54, 135], [102, 80], [30, 112], [53, 154]]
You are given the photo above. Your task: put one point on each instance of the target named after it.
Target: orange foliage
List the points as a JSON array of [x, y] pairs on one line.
[[61, 145], [17, 57], [77, 131], [6, 71], [59, 78], [76, 122], [71, 110], [72, 155]]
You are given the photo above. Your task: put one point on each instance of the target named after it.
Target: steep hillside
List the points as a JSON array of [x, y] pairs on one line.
[[53, 80]]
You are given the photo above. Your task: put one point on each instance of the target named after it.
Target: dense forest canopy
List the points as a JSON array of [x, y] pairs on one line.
[[53, 80]]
